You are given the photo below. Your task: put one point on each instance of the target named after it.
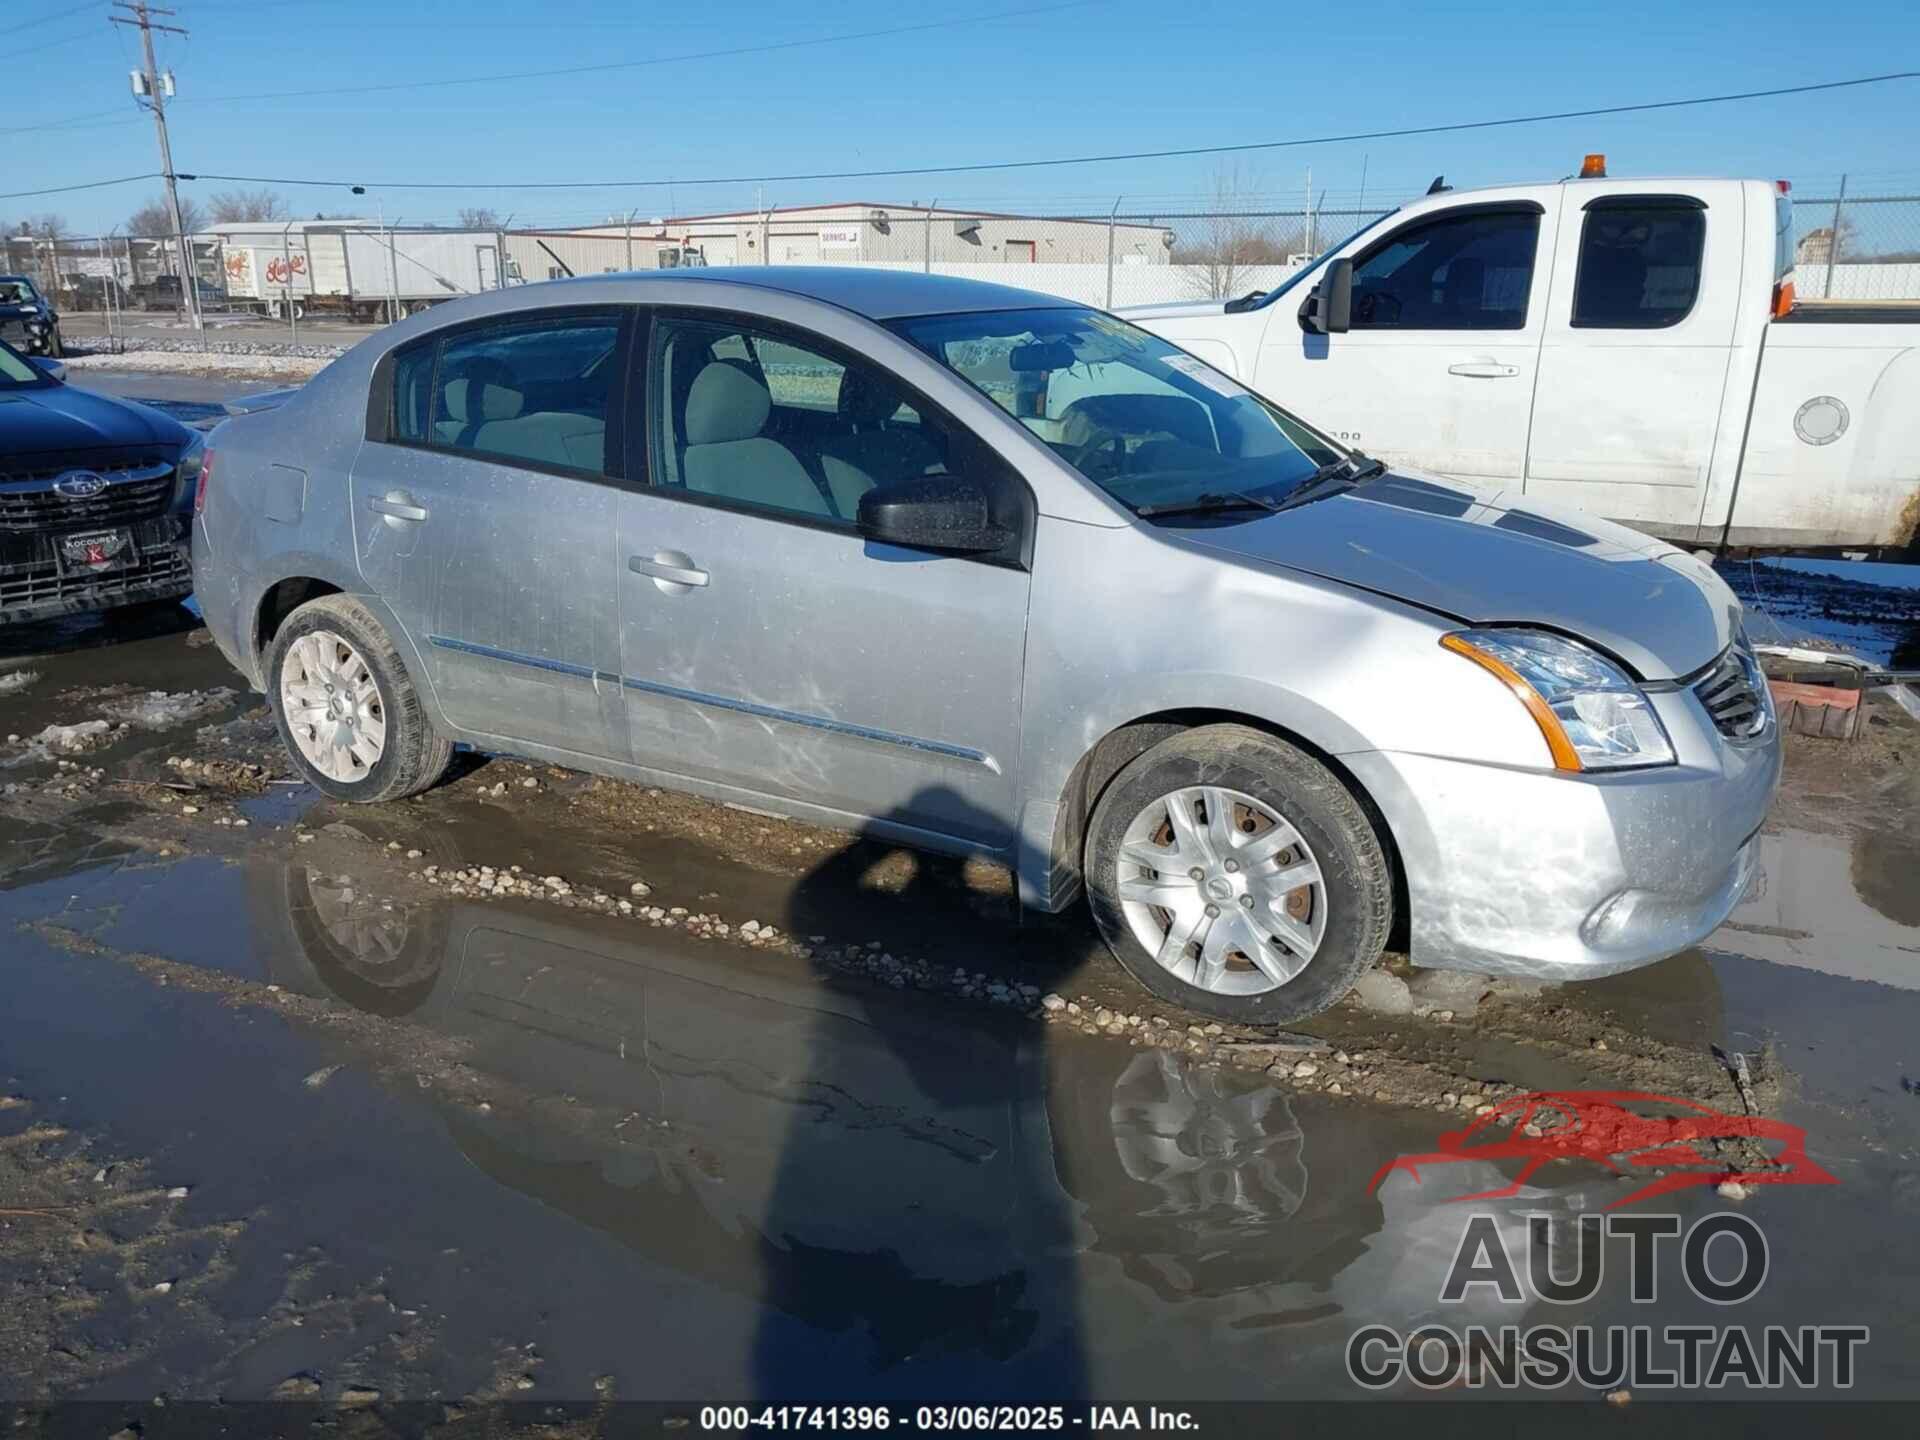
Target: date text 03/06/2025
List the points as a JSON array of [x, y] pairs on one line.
[[979, 1419]]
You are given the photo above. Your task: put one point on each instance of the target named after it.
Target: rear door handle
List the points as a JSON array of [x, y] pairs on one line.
[[669, 567], [397, 506], [1483, 370]]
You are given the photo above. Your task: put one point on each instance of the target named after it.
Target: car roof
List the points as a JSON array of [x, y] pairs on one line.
[[876, 294]]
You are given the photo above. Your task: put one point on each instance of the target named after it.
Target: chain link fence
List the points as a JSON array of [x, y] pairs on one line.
[[1856, 247], [1847, 247]]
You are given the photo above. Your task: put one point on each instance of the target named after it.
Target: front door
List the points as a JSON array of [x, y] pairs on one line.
[[1437, 371], [766, 647], [1633, 372], [486, 522]]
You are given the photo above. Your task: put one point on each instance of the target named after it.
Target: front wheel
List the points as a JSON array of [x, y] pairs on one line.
[[1235, 875], [348, 711]]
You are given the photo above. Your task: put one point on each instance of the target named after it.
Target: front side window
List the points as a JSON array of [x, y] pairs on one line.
[[1468, 271], [522, 390], [1639, 264], [1139, 417], [770, 422], [18, 290]]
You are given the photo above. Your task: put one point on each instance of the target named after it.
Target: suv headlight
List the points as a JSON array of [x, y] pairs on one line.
[[1590, 712], [187, 468]]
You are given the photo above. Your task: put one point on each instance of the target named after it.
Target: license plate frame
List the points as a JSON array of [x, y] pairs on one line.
[[115, 547]]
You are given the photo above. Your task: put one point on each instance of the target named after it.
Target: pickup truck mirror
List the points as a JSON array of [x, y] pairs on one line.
[[931, 512], [1329, 309]]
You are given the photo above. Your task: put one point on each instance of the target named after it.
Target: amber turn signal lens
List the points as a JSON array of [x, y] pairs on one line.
[[1565, 757]]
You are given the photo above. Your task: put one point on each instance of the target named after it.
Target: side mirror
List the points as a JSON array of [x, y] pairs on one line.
[[48, 366], [931, 512], [1329, 310]]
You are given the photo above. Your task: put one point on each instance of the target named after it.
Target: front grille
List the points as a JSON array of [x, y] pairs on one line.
[[1734, 695], [45, 585], [136, 490]]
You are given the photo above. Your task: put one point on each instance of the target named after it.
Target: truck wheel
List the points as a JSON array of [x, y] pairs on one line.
[[1234, 875], [54, 348], [348, 711]]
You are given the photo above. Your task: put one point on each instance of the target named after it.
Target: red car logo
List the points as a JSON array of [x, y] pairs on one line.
[[1597, 1125]]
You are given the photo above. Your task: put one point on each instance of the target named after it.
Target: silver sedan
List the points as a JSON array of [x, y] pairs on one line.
[[979, 571]]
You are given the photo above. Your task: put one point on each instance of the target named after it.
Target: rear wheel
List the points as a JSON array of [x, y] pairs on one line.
[[1235, 875], [348, 711]]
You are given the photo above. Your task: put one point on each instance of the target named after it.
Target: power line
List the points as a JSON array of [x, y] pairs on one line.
[[89, 185], [1187, 152], [569, 70], [52, 16]]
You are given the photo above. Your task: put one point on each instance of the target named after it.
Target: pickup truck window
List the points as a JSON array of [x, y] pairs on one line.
[[1639, 263], [1148, 423], [1466, 271]]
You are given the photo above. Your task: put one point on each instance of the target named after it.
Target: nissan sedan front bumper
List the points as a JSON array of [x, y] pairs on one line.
[[1556, 876]]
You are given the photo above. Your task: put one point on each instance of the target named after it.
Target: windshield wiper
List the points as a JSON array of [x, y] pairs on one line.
[[1206, 505], [1333, 477]]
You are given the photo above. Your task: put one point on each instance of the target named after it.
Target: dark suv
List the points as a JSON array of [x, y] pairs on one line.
[[95, 496]]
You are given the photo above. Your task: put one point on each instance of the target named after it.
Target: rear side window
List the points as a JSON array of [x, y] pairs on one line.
[[412, 394], [1466, 271], [534, 391], [1639, 264]]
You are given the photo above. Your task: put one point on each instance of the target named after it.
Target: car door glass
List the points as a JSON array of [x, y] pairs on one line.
[[1639, 265], [528, 391], [766, 422], [1458, 272], [413, 394]]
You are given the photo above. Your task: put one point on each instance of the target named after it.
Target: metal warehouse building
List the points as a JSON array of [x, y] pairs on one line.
[[865, 231]]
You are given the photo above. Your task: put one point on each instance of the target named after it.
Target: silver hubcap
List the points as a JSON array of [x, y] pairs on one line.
[[1222, 890], [333, 706]]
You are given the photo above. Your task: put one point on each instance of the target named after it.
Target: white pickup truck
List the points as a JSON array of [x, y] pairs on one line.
[[1630, 347]]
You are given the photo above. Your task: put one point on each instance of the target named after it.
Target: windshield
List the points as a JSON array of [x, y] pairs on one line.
[[16, 372], [1142, 419], [17, 290]]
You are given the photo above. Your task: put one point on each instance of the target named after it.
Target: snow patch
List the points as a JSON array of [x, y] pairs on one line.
[[160, 710], [14, 681], [57, 741]]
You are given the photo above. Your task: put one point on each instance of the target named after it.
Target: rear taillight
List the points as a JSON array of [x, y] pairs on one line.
[[200, 483], [1782, 299]]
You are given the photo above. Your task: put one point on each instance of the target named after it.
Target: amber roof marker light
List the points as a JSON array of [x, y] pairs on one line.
[[1594, 167]]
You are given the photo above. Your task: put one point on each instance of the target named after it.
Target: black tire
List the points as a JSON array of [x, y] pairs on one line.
[[416, 754], [55, 350], [1356, 873]]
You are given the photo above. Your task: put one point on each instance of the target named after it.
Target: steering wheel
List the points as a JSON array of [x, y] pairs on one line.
[[1086, 456], [1367, 307]]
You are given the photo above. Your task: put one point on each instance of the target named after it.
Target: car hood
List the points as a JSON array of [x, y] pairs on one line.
[[1495, 557], [57, 418]]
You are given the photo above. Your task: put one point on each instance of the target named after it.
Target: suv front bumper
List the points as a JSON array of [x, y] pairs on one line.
[[34, 586]]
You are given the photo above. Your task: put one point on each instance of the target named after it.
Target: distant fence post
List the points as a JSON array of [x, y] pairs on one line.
[[1112, 216], [1833, 238], [926, 241]]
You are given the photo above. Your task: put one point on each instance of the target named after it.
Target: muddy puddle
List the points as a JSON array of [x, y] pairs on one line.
[[339, 1104]]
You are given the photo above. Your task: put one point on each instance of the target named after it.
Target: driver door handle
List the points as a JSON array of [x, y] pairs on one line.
[[397, 506], [1483, 370], [670, 566]]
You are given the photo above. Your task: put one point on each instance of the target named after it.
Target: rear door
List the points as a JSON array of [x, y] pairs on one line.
[[1634, 364], [765, 646], [1438, 368], [485, 519]]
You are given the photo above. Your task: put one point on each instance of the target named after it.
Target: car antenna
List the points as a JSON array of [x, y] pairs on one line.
[[1439, 186]]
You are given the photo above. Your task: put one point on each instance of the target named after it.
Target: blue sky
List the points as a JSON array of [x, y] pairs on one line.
[[1097, 77]]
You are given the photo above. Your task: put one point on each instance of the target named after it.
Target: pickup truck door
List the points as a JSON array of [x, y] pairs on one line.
[[1633, 369], [1437, 370]]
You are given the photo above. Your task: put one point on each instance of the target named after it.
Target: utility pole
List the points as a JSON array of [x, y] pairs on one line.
[[142, 19]]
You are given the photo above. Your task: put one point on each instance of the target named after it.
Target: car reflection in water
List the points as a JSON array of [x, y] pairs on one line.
[[972, 1193]]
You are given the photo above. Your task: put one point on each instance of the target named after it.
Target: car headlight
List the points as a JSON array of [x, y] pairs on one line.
[[1590, 712], [187, 467]]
